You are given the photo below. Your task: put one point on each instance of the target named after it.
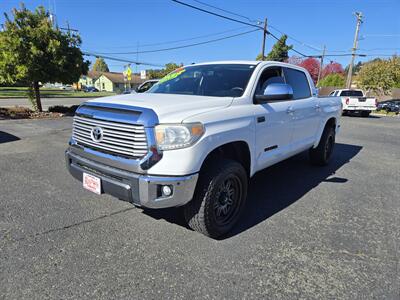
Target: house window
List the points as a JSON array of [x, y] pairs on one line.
[[103, 86]]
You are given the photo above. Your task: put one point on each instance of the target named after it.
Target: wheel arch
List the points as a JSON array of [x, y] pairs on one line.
[[236, 150], [330, 122]]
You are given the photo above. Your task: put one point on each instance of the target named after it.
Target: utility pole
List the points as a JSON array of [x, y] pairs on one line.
[[353, 50], [69, 29], [265, 31], [321, 64]]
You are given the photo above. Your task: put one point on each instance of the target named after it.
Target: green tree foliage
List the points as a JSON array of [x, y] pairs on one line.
[[160, 73], [334, 79], [279, 51], [356, 68], [100, 65], [31, 50], [380, 75]]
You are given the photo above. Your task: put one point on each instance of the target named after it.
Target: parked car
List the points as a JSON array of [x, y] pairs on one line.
[[355, 101], [389, 106], [197, 137], [145, 86], [66, 87], [90, 89], [128, 92], [381, 106]]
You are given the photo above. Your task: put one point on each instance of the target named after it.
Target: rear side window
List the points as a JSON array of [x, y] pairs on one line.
[[350, 93], [334, 93], [299, 82]]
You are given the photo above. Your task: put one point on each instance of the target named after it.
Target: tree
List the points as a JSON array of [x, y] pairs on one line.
[[160, 73], [380, 75], [31, 50], [332, 68], [312, 65], [100, 65], [279, 51], [334, 79]]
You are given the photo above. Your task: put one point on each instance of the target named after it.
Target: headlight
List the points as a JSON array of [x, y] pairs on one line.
[[176, 136]]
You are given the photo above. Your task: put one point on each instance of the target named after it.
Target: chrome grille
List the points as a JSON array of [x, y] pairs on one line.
[[118, 138]]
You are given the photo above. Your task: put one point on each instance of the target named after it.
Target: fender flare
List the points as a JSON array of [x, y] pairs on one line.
[[331, 121]]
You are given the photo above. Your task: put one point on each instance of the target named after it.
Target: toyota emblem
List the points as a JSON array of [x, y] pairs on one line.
[[97, 134]]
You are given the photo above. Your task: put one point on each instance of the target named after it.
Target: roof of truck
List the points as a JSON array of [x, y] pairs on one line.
[[226, 62], [243, 62]]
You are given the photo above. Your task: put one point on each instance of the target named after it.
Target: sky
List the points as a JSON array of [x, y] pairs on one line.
[[113, 26]]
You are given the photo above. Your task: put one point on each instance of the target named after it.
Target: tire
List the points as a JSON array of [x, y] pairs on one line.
[[219, 198], [365, 113], [322, 153]]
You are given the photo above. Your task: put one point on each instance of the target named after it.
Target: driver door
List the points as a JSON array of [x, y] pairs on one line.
[[274, 122]]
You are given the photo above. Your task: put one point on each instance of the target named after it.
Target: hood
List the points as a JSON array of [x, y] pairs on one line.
[[170, 108]]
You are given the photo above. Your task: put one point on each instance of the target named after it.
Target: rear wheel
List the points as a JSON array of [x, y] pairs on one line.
[[323, 152], [219, 198]]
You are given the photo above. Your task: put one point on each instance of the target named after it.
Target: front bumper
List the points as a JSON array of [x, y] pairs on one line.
[[139, 189]]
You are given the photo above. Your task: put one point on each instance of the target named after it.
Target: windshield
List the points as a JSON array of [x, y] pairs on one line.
[[225, 80], [351, 93]]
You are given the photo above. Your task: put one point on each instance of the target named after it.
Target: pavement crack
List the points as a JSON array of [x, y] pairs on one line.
[[73, 225]]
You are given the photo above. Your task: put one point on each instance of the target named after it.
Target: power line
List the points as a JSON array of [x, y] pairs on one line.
[[229, 12], [120, 59], [218, 15], [234, 20], [260, 22], [180, 40], [379, 49], [381, 35], [183, 46], [296, 40]]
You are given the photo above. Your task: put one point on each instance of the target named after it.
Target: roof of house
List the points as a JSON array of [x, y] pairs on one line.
[[119, 77], [93, 74], [114, 77]]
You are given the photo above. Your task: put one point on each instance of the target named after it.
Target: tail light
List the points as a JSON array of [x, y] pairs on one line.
[[347, 101]]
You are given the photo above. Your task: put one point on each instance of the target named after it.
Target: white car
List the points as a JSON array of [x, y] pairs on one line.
[[198, 136], [355, 101]]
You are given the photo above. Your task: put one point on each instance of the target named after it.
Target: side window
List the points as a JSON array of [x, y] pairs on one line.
[[298, 81], [268, 76]]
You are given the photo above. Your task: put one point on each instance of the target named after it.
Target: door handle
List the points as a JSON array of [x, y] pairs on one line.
[[317, 107], [290, 110], [260, 119]]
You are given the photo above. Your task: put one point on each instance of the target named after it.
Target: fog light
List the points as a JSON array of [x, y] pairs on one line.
[[166, 190]]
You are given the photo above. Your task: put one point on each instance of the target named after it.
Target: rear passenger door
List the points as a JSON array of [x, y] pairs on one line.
[[305, 110]]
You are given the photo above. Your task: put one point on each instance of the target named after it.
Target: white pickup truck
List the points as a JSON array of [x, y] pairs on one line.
[[355, 101], [198, 136]]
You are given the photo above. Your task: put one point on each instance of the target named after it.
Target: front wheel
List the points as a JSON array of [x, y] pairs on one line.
[[323, 152], [219, 198]]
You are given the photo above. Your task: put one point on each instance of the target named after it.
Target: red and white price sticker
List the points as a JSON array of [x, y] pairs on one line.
[[92, 183]]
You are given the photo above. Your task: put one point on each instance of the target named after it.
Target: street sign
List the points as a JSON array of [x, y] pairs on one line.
[[129, 73], [143, 74]]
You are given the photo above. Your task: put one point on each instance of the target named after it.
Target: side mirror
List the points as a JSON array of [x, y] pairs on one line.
[[275, 92]]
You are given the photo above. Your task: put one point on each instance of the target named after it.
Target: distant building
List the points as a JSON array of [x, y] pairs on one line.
[[109, 81], [88, 80]]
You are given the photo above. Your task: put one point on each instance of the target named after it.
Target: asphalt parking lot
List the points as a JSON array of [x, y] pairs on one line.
[[307, 232]]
